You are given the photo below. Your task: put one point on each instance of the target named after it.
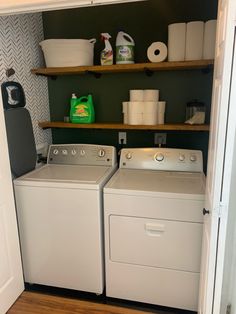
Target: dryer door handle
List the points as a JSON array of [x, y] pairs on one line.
[[154, 229]]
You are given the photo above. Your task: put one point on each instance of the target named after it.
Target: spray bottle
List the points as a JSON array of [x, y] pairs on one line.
[[107, 53]]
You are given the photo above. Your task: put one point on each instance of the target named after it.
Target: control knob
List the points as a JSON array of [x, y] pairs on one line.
[[73, 152], [193, 158], [128, 156], [55, 151], [82, 152], [101, 153], [181, 157], [64, 152], [159, 157]]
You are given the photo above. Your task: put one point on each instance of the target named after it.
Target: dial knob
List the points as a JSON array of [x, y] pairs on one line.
[[193, 158], [181, 157], [101, 153], [73, 152], [55, 151], [159, 157], [64, 152], [128, 156], [82, 152]]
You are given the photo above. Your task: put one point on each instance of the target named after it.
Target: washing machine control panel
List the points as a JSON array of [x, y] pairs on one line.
[[82, 154], [166, 159]]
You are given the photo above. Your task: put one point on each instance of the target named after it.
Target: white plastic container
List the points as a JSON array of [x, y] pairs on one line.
[[68, 52], [124, 48]]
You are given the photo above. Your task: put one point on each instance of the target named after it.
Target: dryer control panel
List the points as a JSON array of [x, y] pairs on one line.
[[166, 159], [82, 154]]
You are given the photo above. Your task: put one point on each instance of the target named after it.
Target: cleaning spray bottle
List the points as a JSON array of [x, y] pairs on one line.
[[82, 110], [107, 53]]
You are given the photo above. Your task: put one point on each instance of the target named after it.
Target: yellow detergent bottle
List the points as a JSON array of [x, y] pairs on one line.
[[82, 109]]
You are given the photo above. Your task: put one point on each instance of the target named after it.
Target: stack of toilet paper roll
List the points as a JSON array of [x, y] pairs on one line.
[[191, 41], [144, 108]]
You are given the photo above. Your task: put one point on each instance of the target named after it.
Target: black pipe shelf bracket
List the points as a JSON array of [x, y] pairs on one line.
[[97, 75], [148, 72]]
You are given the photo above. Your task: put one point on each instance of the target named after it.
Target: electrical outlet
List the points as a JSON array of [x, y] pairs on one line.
[[159, 138], [122, 138]]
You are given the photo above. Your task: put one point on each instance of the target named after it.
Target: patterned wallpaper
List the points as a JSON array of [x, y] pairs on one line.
[[19, 49]]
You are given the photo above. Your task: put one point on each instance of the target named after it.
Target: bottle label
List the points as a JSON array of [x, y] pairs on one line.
[[81, 110], [125, 53]]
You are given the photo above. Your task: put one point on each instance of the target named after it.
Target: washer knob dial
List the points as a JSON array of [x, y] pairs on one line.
[[159, 157], [64, 152], [73, 152], [82, 152], [193, 158], [181, 157], [55, 151], [128, 156], [101, 153]]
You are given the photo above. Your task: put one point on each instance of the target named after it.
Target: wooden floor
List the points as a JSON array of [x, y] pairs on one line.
[[38, 303]]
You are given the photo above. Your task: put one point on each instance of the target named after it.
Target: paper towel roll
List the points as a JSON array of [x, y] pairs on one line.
[[151, 95], [209, 40], [194, 40], [157, 52], [176, 41], [136, 95]]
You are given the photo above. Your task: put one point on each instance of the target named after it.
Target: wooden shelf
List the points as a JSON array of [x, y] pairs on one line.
[[120, 126], [149, 68]]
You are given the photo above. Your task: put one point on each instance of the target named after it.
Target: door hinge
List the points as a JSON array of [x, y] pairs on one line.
[[220, 209], [228, 309]]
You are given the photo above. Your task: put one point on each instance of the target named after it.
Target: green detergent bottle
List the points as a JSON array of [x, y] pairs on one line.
[[82, 110]]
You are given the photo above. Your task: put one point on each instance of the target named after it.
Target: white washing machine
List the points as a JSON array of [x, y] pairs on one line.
[[153, 227], [60, 215]]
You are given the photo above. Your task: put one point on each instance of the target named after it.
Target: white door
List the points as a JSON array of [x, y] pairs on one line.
[[8, 7], [218, 162], [113, 1], [11, 278]]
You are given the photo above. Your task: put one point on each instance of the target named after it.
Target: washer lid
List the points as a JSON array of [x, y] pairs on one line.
[[166, 184], [61, 175]]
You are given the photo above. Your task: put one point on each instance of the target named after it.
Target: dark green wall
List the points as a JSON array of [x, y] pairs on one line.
[[145, 22]]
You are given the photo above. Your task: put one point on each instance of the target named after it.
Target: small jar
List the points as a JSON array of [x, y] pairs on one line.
[[193, 107]]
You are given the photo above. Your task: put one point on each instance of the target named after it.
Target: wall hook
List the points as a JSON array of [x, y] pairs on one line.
[[10, 72]]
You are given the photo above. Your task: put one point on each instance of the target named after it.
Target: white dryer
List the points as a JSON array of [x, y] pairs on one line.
[[153, 227], [60, 215]]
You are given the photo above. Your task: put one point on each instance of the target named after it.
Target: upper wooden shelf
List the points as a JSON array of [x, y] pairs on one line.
[[120, 126], [119, 68]]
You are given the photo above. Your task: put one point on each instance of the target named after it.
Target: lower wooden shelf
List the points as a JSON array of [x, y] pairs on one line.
[[121, 126]]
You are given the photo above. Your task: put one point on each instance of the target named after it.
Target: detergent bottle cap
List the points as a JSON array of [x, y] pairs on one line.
[[73, 96]]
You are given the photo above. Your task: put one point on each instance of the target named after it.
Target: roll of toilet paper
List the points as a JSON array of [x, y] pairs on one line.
[[125, 106], [157, 52], [176, 41], [161, 112], [209, 40], [136, 95], [149, 119], [135, 107], [125, 111], [194, 40], [135, 119], [151, 95], [150, 107]]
